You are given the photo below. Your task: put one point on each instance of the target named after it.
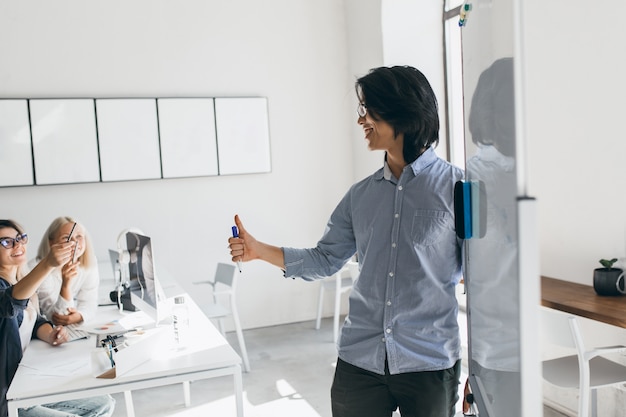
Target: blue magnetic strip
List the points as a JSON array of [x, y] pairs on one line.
[[467, 209]]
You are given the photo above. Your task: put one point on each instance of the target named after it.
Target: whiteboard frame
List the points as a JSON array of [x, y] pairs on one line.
[[242, 135], [128, 139], [16, 157], [65, 145], [188, 138], [78, 140]]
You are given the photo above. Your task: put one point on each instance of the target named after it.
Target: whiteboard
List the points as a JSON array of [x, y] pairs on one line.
[[16, 157], [128, 139], [242, 135], [187, 131], [501, 266], [64, 141]]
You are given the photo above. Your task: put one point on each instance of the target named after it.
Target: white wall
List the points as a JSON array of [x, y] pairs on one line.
[[295, 53], [575, 126], [413, 35], [364, 25], [304, 56], [395, 32], [576, 114]]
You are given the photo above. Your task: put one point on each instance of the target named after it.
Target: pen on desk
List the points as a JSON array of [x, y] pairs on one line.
[[236, 234], [71, 232]]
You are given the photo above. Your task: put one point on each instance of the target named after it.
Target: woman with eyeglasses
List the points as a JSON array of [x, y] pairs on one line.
[[70, 294], [20, 320]]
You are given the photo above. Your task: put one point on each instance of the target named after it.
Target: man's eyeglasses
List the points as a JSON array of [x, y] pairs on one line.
[[361, 110], [9, 242]]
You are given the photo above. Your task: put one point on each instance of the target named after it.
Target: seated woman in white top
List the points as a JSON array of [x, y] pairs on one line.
[[70, 293]]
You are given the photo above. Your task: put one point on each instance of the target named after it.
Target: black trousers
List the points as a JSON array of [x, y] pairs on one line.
[[360, 393]]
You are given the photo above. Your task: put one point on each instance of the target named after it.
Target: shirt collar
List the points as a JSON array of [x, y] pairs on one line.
[[417, 166], [423, 161]]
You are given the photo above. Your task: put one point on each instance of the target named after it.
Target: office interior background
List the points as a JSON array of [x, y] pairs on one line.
[[304, 57]]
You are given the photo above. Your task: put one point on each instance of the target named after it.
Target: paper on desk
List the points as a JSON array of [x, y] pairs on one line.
[[124, 324], [58, 369]]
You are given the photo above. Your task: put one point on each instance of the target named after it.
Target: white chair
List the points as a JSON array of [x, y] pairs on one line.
[[586, 370], [225, 283], [341, 282]]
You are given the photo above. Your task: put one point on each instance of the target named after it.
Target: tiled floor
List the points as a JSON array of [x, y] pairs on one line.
[[292, 370]]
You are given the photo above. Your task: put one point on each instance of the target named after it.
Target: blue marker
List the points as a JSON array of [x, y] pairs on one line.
[[236, 234]]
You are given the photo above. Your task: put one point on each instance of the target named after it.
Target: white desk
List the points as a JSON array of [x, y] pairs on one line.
[[48, 374]]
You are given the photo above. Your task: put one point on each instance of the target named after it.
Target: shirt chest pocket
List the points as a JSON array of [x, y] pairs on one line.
[[428, 226]]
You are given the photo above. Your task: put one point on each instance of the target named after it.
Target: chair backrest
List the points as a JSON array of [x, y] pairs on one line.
[[561, 329], [225, 274], [353, 267]]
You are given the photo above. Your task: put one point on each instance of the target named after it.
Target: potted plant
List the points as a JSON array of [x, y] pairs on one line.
[[608, 280]]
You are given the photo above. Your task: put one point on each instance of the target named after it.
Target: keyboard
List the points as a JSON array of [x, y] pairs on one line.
[[74, 333]]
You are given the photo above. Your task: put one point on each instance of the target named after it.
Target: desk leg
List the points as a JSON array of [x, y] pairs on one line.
[[12, 411], [238, 390], [130, 409]]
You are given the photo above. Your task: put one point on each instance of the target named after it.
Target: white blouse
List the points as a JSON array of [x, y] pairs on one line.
[[84, 290]]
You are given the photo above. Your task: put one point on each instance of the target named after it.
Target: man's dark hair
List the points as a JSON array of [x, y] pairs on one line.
[[402, 97]]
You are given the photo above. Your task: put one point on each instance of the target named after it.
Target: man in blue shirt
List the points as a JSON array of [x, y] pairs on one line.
[[400, 345]]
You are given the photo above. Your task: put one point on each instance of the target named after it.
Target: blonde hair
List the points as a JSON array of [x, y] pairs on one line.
[[87, 259]]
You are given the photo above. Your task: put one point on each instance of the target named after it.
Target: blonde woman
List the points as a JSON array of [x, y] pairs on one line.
[[70, 294]]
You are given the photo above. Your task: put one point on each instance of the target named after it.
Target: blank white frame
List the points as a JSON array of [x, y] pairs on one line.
[[188, 142], [242, 135], [129, 139], [16, 154], [65, 148]]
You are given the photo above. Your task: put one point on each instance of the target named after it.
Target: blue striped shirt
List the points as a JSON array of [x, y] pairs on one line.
[[403, 306]]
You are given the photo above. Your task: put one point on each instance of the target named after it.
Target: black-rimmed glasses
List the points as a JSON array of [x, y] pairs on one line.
[[9, 242], [361, 110]]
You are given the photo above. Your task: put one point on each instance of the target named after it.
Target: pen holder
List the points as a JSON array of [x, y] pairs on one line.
[[125, 356]]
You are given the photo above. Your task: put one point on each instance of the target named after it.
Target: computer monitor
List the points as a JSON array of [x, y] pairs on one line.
[[114, 257], [146, 292]]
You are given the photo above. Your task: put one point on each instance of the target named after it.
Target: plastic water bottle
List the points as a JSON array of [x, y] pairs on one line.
[[180, 320]]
